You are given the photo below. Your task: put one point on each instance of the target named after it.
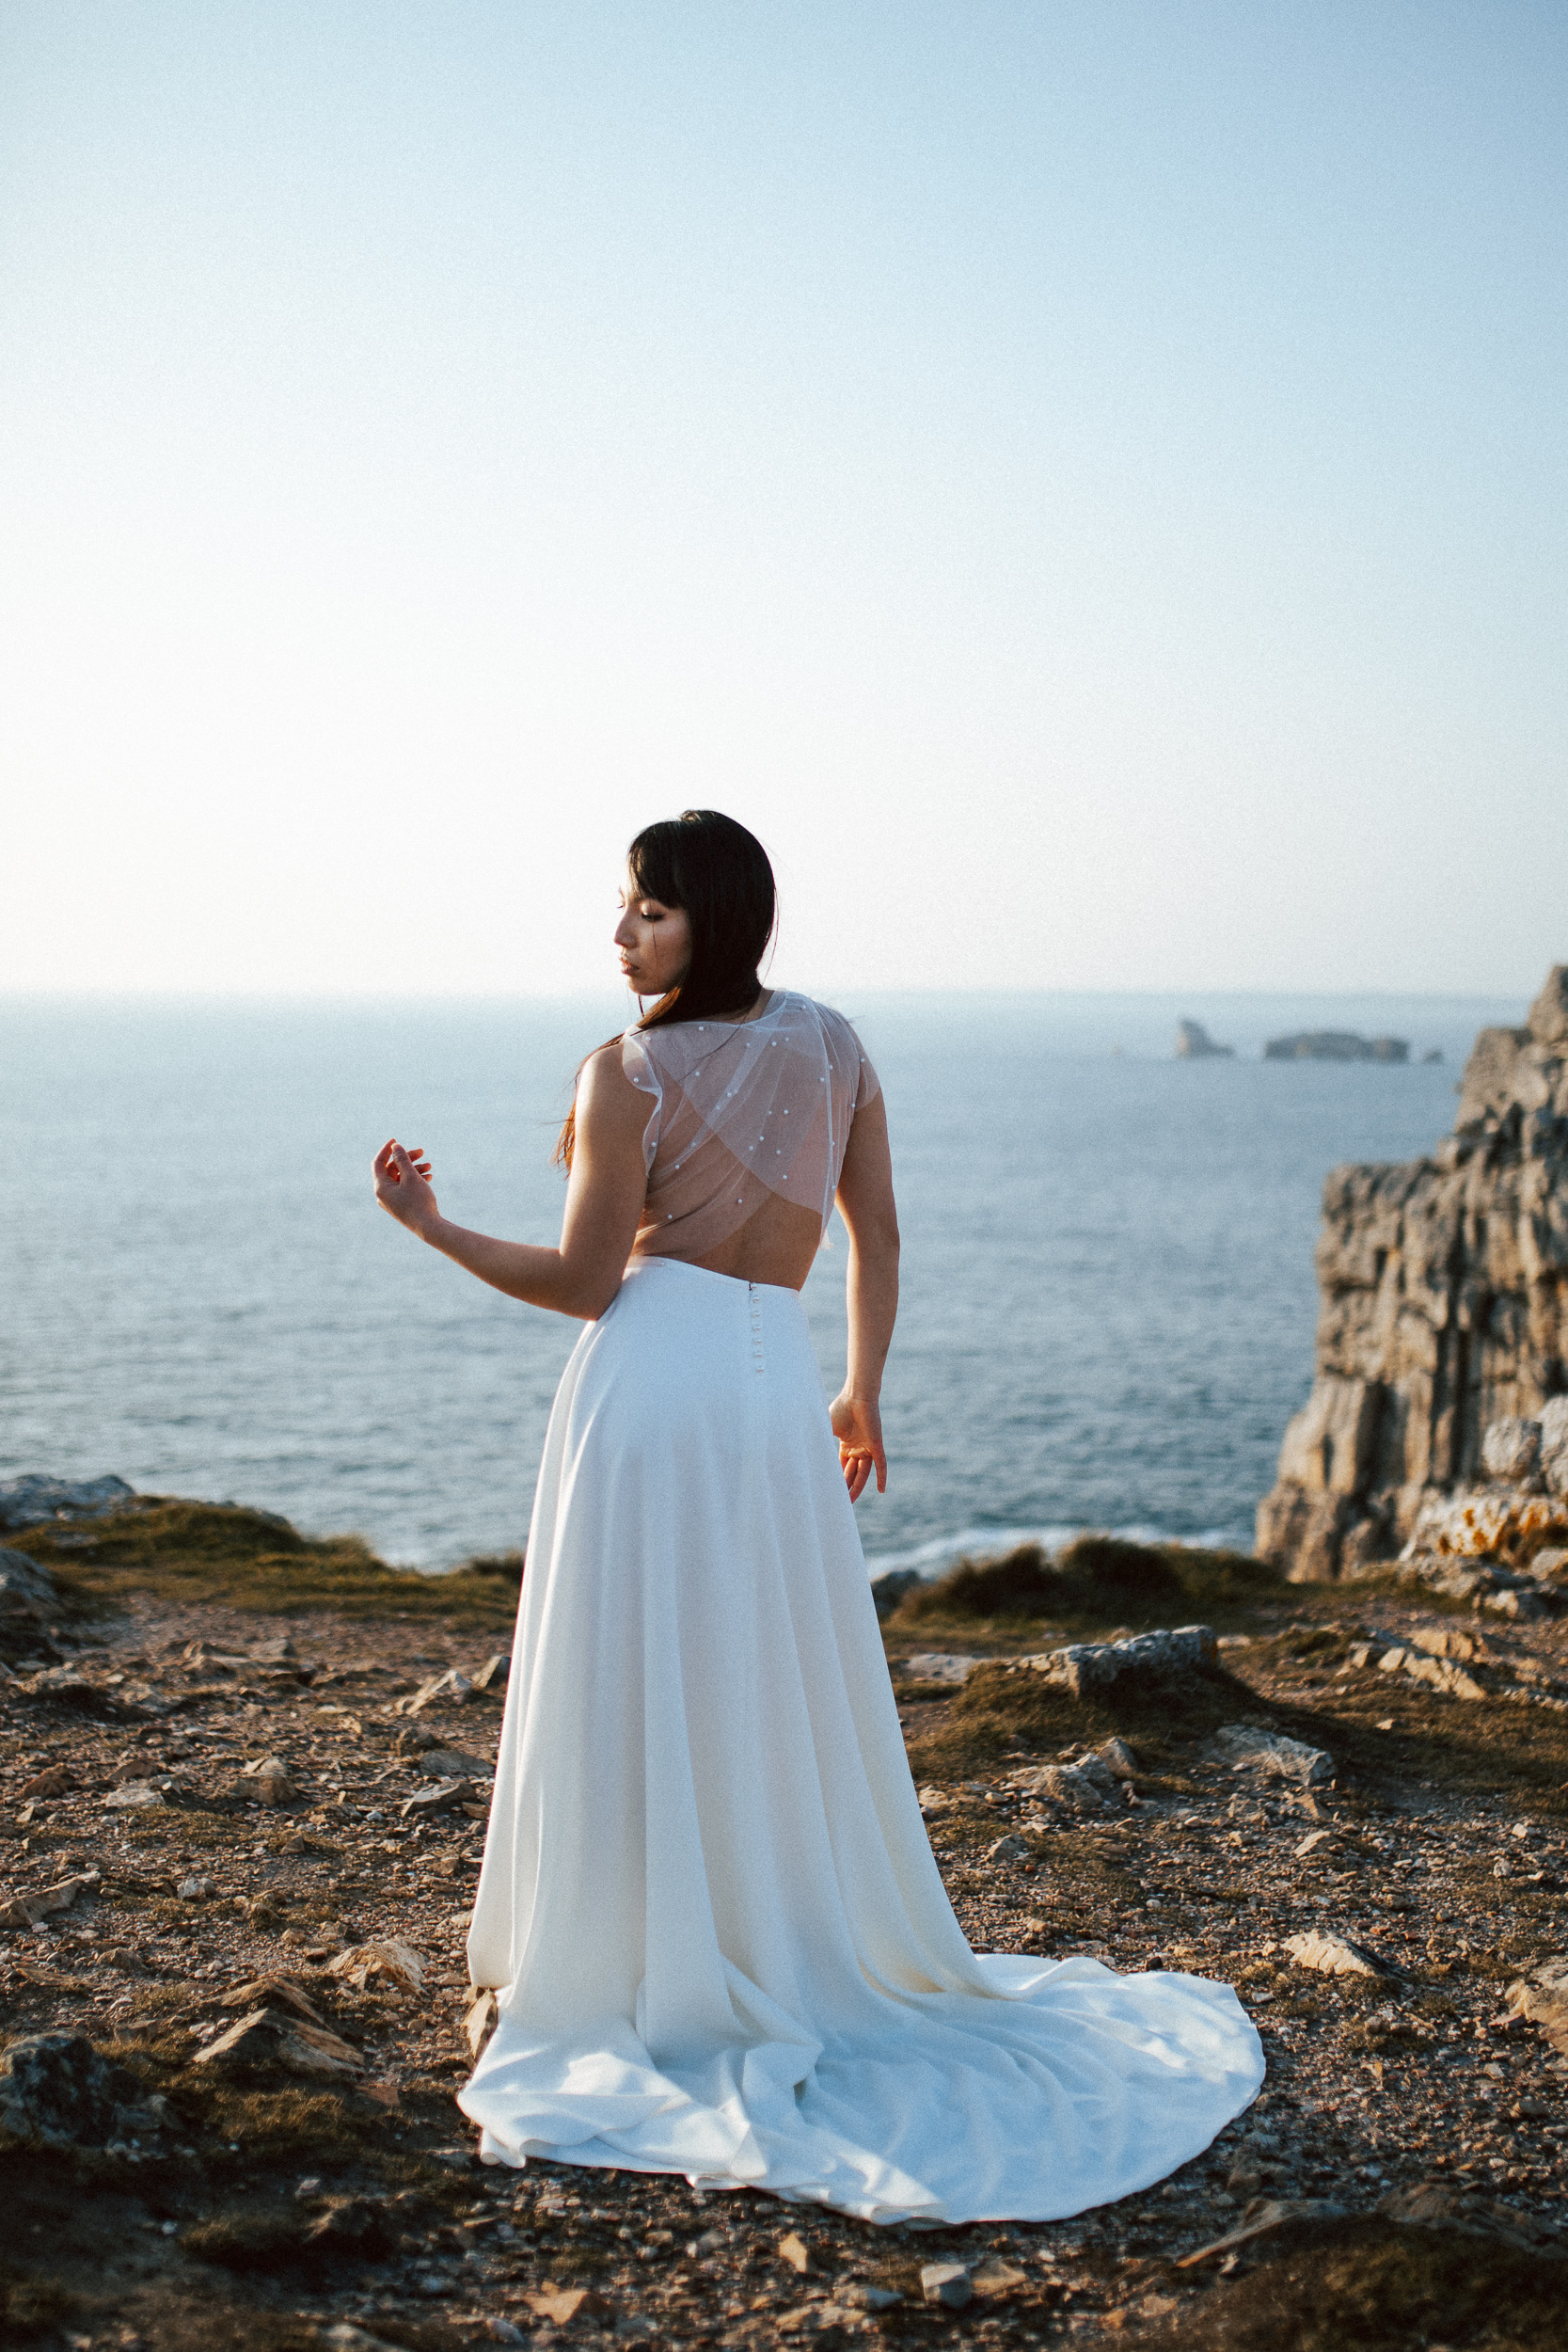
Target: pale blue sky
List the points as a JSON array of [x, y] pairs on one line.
[[1084, 482]]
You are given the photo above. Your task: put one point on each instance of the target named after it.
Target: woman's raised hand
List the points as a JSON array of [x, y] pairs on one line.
[[403, 1186], [857, 1424]]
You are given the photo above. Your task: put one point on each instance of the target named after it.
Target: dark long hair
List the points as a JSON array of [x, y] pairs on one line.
[[719, 874]]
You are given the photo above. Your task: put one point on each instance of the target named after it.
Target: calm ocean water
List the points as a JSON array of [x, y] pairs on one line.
[[1108, 1290]]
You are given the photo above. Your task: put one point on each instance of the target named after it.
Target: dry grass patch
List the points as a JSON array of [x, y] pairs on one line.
[[1097, 1583], [253, 1560]]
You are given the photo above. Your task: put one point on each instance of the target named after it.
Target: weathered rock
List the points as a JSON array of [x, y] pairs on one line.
[[275, 1989], [435, 1796], [993, 2281], [1335, 1955], [27, 1910], [389, 1961], [30, 1501], [889, 1590], [1541, 1999], [1118, 1758], [58, 2088], [863, 2296], [55, 1780], [27, 1595], [134, 1796], [1260, 2218], [1510, 1449], [447, 1690], [938, 1665], [269, 1781], [1483, 1523], [1444, 1286], [1095, 1665], [1554, 1444], [947, 2284], [1088, 1787], [262, 2038], [1245, 1748], [452, 1764], [564, 2304], [480, 2022], [1009, 1849], [794, 2251], [1435, 2204]]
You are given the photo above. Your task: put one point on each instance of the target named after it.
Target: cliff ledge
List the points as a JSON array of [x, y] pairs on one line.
[[1444, 1286]]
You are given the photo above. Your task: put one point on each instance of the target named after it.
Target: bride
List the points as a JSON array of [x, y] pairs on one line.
[[719, 1941]]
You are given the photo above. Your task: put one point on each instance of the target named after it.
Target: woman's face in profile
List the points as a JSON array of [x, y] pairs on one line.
[[655, 940]]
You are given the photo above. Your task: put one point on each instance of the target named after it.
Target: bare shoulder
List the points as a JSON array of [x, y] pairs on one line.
[[606, 1096]]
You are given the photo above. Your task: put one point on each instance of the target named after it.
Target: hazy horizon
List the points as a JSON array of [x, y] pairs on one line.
[[1084, 485]]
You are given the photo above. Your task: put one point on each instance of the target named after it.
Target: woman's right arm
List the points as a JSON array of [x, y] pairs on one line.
[[867, 1204], [604, 1204]]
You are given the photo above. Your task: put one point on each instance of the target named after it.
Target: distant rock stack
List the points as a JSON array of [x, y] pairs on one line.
[[1194, 1044], [1444, 1287], [1337, 1045]]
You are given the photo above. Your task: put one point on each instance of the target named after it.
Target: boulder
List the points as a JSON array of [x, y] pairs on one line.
[[31, 1501], [1084, 1667], [938, 1665], [1088, 1786], [1245, 1748], [889, 1590], [28, 1594], [61, 2090]]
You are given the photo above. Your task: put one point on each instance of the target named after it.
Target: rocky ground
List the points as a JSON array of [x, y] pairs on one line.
[[243, 1786]]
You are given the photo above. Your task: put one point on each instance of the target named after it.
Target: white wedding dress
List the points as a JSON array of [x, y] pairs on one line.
[[719, 1941]]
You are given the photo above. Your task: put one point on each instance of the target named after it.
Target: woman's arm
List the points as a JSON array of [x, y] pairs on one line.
[[604, 1204], [867, 1204]]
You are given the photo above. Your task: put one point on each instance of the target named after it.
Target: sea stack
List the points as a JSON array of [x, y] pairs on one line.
[[1443, 1310], [1335, 1045], [1194, 1044]]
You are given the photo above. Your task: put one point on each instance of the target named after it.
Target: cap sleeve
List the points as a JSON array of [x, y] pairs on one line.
[[638, 1064]]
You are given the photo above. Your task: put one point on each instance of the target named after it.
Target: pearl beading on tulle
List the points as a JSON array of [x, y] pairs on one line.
[[757, 1365]]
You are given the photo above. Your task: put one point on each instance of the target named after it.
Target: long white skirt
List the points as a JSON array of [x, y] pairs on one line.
[[721, 1943]]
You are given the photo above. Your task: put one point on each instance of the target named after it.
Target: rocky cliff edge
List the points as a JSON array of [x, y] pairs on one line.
[[1444, 1286]]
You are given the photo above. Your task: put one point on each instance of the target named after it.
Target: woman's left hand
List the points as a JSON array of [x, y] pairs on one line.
[[857, 1424], [403, 1186]]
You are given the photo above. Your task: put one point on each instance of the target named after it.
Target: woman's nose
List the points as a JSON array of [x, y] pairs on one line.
[[626, 933]]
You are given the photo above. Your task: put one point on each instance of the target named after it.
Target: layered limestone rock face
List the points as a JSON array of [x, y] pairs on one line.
[[1444, 1287]]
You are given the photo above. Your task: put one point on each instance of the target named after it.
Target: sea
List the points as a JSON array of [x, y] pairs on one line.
[[1108, 1294]]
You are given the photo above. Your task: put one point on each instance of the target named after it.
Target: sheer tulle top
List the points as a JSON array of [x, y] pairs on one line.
[[742, 1110]]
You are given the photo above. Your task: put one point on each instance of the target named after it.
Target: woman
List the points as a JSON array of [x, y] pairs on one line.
[[718, 1938]]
